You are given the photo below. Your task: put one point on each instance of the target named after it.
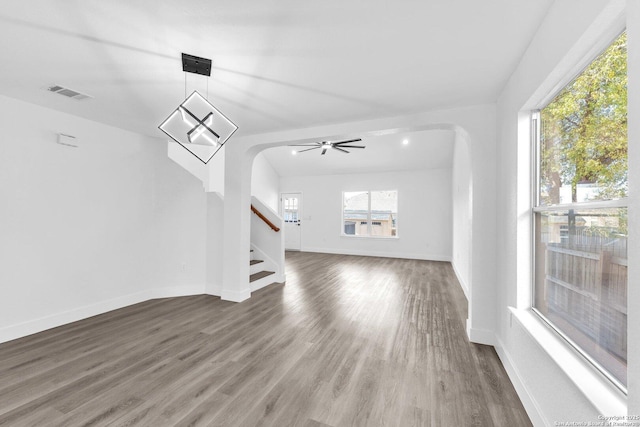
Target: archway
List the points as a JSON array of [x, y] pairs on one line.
[[469, 127]]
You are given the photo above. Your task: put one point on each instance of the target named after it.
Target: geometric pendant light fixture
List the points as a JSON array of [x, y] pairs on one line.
[[195, 124]]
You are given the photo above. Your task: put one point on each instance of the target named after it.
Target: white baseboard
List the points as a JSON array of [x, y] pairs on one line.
[[529, 403], [30, 327], [404, 255], [213, 289], [463, 283], [235, 296], [262, 283], [177, 291], [266, 281], [481, 336]]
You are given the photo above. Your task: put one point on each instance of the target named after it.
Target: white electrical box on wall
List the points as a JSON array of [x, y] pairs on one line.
[[68, 140]]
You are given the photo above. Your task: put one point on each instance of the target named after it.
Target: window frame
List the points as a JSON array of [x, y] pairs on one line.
[[369, 219], [537, 209], [618, 203]]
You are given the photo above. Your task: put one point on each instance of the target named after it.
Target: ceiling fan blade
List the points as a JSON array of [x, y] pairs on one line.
[[340, 149], [313, 144], [308, 149], [351, 146], [324, 150], [346, 142]]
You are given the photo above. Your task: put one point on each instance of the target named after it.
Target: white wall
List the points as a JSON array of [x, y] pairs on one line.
[[265, 182], [89, 229], [211, 174], [424, 213], [215, 227], [461, 215], [571, 30]]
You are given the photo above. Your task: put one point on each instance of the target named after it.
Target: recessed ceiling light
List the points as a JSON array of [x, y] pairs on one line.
[[294, 152], [405, 142]]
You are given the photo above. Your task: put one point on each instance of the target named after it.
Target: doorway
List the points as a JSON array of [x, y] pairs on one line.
[[291, 207]]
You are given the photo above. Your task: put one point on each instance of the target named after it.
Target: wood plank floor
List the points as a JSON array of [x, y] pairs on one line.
[[348, 341]]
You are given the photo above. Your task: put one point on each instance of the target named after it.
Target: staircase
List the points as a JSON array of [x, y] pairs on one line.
[[266, 264], [259, 273]]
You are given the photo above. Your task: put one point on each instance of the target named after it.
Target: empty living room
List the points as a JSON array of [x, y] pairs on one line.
[[346, 213]]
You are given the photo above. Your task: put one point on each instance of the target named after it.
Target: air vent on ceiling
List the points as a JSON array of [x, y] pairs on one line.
[[69, 93]]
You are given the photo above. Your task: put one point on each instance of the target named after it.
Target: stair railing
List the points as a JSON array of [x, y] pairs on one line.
[[264, 218]]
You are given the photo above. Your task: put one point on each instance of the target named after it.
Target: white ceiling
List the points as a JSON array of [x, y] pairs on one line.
[[277, 64], [431, 149]]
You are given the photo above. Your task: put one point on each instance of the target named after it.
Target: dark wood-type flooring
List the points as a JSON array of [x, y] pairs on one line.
[[348, 341]]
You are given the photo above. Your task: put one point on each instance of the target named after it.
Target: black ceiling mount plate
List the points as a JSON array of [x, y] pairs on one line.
[[196, 65]]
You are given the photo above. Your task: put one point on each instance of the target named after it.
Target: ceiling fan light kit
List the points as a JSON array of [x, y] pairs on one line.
[[196, 124], [326, 145]]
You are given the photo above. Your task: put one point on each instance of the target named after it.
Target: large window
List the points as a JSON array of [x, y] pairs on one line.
[[370, 213], [580, 212]]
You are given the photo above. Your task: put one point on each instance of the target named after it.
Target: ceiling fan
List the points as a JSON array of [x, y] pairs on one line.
[[325, 145]]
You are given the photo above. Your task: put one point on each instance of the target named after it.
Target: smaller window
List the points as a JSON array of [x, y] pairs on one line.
[[291, 209], [370, 213]]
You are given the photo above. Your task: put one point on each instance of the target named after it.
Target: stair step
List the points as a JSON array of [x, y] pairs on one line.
[[255, 261], [260, 275]]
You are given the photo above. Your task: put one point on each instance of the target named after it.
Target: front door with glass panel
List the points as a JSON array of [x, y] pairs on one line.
[[292, 215]]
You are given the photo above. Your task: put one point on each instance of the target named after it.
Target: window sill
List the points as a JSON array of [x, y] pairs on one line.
[[350, 236], [602, 393]]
